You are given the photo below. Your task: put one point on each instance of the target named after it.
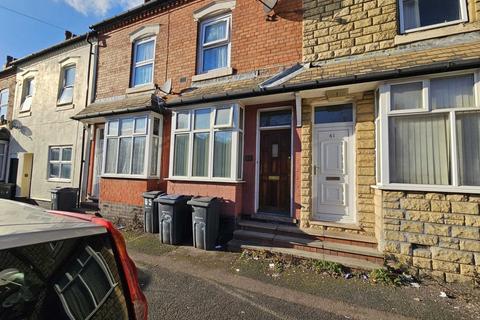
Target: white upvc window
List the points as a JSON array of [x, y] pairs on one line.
[[429, 133], [3, 105], [27, 96], [60, 163], [132, 147], [207, 144], [86, 285], [68, 83], [214, 44], [143, 61], [416, 15], [3, 159]]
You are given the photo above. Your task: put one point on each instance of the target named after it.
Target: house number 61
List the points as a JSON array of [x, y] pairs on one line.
[[332, 135]]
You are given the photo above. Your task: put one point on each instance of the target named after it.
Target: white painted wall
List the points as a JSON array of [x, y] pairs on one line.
[[48, 124]]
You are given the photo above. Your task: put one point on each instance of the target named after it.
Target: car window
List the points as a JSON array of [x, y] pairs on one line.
[[70, 279]]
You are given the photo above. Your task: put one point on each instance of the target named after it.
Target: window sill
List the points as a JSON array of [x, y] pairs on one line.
[[129, 176], [436, 32], [427, 188], [205, 180], [24, 114], [59, 180], [65, 106], [217, 73], [140, 89]]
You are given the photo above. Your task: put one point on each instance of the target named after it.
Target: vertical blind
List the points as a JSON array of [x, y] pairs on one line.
[[200, 154], [180, 165], [419, 149], [222, 154], [452, 92], [468, 144]]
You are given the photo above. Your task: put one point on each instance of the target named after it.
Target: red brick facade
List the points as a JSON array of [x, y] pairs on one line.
[[256, 44], [127, 191]]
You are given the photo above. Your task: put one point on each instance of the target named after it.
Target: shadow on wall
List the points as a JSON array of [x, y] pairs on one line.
[[285, 9]]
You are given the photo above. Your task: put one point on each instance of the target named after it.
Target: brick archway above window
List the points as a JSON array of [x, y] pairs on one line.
[[214, 8], [145, 31]]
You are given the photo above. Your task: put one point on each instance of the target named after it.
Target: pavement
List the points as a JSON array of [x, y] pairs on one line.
[[186, 283]]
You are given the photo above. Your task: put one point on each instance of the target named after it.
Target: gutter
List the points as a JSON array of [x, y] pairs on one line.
[[317, 84], [118, 112]]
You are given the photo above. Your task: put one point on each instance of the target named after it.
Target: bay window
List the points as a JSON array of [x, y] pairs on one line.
[[424, 14], [207, 143], [214, 46], [132, 146], [429, 131]]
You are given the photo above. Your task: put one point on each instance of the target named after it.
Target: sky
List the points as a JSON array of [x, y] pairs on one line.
[[21, 36]]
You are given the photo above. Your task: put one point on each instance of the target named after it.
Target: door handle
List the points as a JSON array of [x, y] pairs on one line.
[[314, 170]]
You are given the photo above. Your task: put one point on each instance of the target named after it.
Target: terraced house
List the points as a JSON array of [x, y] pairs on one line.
[[337, 129], [45, 145]]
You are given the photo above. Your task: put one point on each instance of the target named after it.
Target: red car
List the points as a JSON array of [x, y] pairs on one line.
[[61, 265]]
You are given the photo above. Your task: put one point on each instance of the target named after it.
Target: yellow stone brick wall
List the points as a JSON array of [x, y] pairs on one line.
[[364, 166], [339, 28], [336, 28], [436, 234]]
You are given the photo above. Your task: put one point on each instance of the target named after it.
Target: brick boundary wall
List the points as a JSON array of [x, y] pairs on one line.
[[121, 213], [436, 234]]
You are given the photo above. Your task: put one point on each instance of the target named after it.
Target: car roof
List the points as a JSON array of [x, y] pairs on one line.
[[23, 224]]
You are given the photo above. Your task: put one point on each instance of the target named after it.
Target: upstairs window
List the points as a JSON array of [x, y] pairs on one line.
[[143, 60], [28, 92], [214, 47], [68, 81], [3, 105], [424, 14]]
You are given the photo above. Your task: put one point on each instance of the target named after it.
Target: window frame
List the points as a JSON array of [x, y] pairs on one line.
[[214, 44], [6, 92], [136, 65], [236, 130], [25, 96], [382, 127], [64, 86], [97, 258], [463, 12], [149, 137], [60, 162], [4, 146]]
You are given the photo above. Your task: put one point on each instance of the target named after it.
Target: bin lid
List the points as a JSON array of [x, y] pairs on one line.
[[64, 190], [172, 198], [202, 201], [152, 194]]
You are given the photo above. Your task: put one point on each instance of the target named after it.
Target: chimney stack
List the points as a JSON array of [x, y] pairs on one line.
[[69, 35]]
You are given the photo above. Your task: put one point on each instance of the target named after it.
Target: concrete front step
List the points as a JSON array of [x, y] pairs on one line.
[[353, 263], [322, 235], [310, 245]]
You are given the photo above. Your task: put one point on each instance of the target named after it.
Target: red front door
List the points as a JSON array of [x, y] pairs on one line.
[[275, 155]]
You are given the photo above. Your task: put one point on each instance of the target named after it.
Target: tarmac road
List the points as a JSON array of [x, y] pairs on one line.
[[176, 295]]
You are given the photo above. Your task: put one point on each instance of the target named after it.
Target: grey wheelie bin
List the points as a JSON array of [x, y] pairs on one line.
[[64, 199], [205, 222], [173, 215], [7, 191], [150, 220]]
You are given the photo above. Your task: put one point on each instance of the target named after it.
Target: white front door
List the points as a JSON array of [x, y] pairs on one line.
[[97, 168], [333, 174]]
